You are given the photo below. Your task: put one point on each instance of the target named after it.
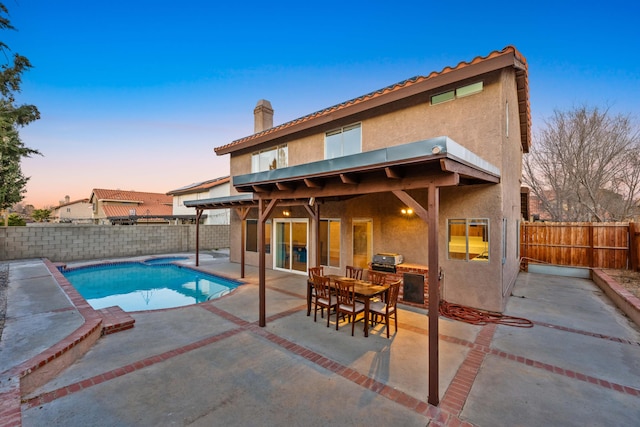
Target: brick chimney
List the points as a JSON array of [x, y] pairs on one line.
[[263, 116]]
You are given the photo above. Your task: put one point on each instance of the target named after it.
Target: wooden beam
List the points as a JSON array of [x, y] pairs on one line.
[[258, 189], [448, 165], [373, 185], [348, 179], [284, 187], [311, 183], [413, 204], [392, 173]]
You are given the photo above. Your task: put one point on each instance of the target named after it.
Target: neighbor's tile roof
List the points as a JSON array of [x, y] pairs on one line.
[[523, 97], [200, 186], [118, 203], [144, 209], [61, 205]]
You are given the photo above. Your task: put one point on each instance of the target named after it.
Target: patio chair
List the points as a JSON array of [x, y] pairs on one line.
[[322, 297], [347, 304], [315, 271], [354, 272], [377, 278], [388, 309]]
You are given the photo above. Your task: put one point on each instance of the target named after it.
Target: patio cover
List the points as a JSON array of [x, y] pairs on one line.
[[431, 164]]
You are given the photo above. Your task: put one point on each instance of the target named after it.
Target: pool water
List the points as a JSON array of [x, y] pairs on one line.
[[137, 286]]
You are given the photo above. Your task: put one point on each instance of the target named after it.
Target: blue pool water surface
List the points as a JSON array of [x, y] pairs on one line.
[[136, 286]]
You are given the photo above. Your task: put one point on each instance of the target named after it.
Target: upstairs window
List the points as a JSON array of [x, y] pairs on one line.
[[269, 159], [460, 92], [343, 142]]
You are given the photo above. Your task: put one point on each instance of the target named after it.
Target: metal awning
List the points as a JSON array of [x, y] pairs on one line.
[[364, 173], [226, 202]]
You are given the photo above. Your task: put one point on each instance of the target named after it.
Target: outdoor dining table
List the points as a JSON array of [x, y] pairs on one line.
[[363, 291]]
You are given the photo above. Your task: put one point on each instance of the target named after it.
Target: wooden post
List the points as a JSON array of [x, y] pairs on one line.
[[198, 216], [634, 231], [434, 294]]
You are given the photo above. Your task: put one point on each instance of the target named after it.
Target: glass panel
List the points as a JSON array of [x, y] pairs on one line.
[[324, 242], [447, 96], [333, 145], [362, 243], [469, 89], [255, 163], [283, 156], [351, 141], [334, 243], [268, 160], [479, 240], [283, 252], [330, 242], [267, 237], [299, 245], [457, 244], [251, 237]]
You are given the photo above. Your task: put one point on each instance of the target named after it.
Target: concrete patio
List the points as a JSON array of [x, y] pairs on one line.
[[210, 364]]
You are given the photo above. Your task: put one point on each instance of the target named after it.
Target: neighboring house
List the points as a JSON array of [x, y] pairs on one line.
[[72, 212], [218, 187], [428, 168], [130, 207]]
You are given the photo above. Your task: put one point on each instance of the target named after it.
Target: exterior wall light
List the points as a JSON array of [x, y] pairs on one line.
[[286, 213], [406, 211]]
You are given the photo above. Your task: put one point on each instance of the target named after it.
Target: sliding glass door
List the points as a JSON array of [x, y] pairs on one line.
[[291, 237]]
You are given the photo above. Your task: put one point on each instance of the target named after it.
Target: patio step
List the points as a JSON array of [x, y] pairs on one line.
[[114, 319]]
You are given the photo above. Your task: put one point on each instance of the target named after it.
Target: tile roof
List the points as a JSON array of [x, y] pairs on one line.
[[118, 203], [61, 205], [405, 85], [200, 186], [144, 209], [131, 196]]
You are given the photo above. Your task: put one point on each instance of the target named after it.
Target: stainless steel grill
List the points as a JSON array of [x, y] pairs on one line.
[[386, 262]]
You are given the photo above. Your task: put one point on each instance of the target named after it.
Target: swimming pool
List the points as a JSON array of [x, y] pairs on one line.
[[152, 284]]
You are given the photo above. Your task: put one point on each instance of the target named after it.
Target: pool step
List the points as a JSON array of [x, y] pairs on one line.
[[114, 319]]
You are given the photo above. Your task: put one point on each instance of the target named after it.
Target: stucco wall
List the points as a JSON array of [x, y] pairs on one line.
[[64, 243], [477, 122]]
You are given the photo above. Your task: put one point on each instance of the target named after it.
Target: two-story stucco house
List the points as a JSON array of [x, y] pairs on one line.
[[428, 168], [72, 212], [213, 188]]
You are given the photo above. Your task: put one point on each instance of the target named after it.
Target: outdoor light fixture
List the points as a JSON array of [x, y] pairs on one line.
[[286, 213], [406, 211], [436, 149]]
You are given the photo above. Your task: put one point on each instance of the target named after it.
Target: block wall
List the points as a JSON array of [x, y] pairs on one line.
[[65, 243]]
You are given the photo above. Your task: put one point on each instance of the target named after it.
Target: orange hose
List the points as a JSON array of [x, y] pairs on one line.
[[475, 316]]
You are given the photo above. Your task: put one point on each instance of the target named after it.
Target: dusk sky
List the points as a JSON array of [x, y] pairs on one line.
[[136, 94]]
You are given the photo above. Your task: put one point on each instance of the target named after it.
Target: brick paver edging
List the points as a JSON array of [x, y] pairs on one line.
[[40, 369], [622, 298]]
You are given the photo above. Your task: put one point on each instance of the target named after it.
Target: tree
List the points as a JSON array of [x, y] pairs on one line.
[[41, 215], [12, 117], [584, 165], [16, 220]]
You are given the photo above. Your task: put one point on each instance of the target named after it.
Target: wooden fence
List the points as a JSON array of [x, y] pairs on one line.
[[596, 245]]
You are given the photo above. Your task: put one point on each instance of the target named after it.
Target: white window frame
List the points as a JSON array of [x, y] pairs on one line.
[[280, 155], [341, 131]]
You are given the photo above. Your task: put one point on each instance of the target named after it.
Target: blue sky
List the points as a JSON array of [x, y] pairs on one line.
[[136, 94]]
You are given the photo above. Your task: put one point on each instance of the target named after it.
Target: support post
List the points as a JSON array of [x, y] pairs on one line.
[[434, 294], [198, 216]]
